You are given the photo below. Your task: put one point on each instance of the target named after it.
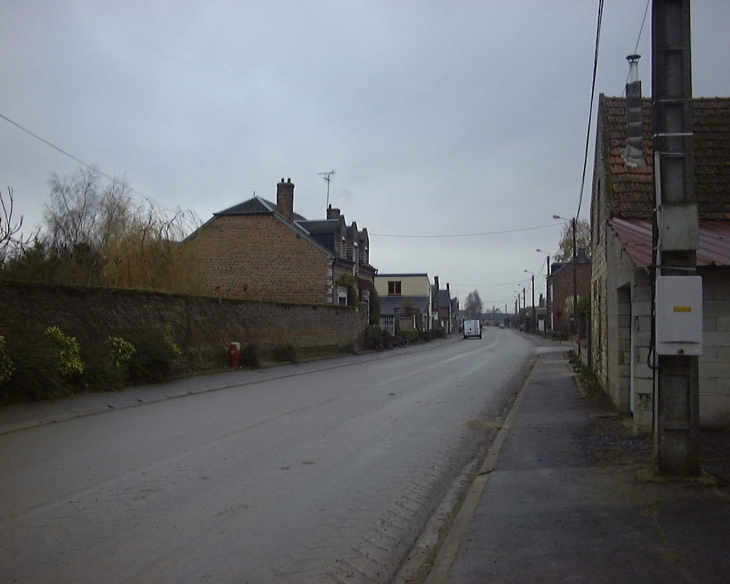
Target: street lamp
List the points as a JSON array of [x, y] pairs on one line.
[[534, 316], [575, 272], [548, 313]]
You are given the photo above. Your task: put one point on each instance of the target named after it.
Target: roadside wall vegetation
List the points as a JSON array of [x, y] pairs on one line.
[[102, 338]]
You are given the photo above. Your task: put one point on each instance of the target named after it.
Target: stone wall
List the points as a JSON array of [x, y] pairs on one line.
[[202, 326]]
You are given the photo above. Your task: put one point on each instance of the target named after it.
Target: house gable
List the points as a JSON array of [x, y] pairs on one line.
[[259, 257]]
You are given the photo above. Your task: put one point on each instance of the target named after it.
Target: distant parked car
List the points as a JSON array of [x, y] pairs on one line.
[[501, 325]]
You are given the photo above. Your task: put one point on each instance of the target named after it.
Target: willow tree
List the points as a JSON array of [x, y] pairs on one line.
[[98, 233]]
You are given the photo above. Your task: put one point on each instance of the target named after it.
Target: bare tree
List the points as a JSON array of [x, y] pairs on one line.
[[84, 211], [11, 239], [97, 234], [473, 306], [582, 240]]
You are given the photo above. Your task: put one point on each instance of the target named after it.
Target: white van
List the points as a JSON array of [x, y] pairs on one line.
[[472, 328]]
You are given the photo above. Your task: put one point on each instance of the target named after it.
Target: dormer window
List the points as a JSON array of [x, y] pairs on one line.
[[394, 288]]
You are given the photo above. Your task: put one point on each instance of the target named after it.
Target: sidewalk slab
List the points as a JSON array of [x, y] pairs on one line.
[[549, 513]]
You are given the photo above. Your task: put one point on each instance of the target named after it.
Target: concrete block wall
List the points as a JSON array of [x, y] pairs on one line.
[[643, 374], [714, 364], [202, 326]]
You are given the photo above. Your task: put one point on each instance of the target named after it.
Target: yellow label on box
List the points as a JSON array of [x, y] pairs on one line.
[[682, 309]]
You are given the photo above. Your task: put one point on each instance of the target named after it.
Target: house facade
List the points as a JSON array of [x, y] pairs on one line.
[[562, 291], [621, 283], [405, 301], [445, 309], [259, 250]]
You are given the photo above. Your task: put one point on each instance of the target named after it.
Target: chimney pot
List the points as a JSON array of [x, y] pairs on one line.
[[285, 199]]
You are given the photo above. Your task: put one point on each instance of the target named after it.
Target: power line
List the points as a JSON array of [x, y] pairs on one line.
[[468, 234], [489, 286], [643, 20], [638, 39], [81, 162], [590, 110]]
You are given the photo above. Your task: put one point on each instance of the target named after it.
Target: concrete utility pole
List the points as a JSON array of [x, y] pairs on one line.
[[524, 306], [676, 407], [575, 279], [548, 314]]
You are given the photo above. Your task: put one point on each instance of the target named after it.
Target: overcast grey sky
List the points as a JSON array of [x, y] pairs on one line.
[[439, 118]]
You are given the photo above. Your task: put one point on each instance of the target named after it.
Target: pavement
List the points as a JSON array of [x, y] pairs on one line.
[[566, 494]]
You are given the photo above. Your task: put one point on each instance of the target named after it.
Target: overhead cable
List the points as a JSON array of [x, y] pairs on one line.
[[82, 163]]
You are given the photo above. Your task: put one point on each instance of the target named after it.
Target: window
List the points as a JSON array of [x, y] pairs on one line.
[[342, 295], [394, 288]]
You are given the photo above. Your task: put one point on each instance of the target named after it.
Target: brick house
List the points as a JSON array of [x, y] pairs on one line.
[[621, 284], [561, 290], [258, 250]]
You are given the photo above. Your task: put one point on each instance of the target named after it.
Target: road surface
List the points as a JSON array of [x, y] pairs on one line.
[[325, 475]]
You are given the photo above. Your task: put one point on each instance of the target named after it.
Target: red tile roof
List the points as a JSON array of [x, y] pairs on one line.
[[630, 189]]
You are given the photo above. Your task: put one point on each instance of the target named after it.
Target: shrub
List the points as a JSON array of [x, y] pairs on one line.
[[67, 352], [153, 360], [100, 375], [170, 340], [250, 356], [6, 363], [36, 374], [120, 352], [284, 353], [374, 338], [410, 336]]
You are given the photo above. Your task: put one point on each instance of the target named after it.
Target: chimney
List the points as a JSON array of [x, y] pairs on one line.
[[634, 151], [437, 300], [285, 199], [333, 213]]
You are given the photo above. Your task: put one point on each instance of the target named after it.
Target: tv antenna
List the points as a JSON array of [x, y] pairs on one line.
[[328, 177]]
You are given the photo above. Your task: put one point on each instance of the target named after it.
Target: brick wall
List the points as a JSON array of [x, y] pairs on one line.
[[202, 326], [562, 288], [259, 258]]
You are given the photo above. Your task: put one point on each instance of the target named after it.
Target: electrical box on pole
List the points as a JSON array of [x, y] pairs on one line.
[[679, 315]]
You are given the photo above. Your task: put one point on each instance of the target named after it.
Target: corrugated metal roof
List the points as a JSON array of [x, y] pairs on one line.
[[636, 239]]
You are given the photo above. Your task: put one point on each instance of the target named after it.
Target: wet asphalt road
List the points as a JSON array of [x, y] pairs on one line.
[[324, 476]]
